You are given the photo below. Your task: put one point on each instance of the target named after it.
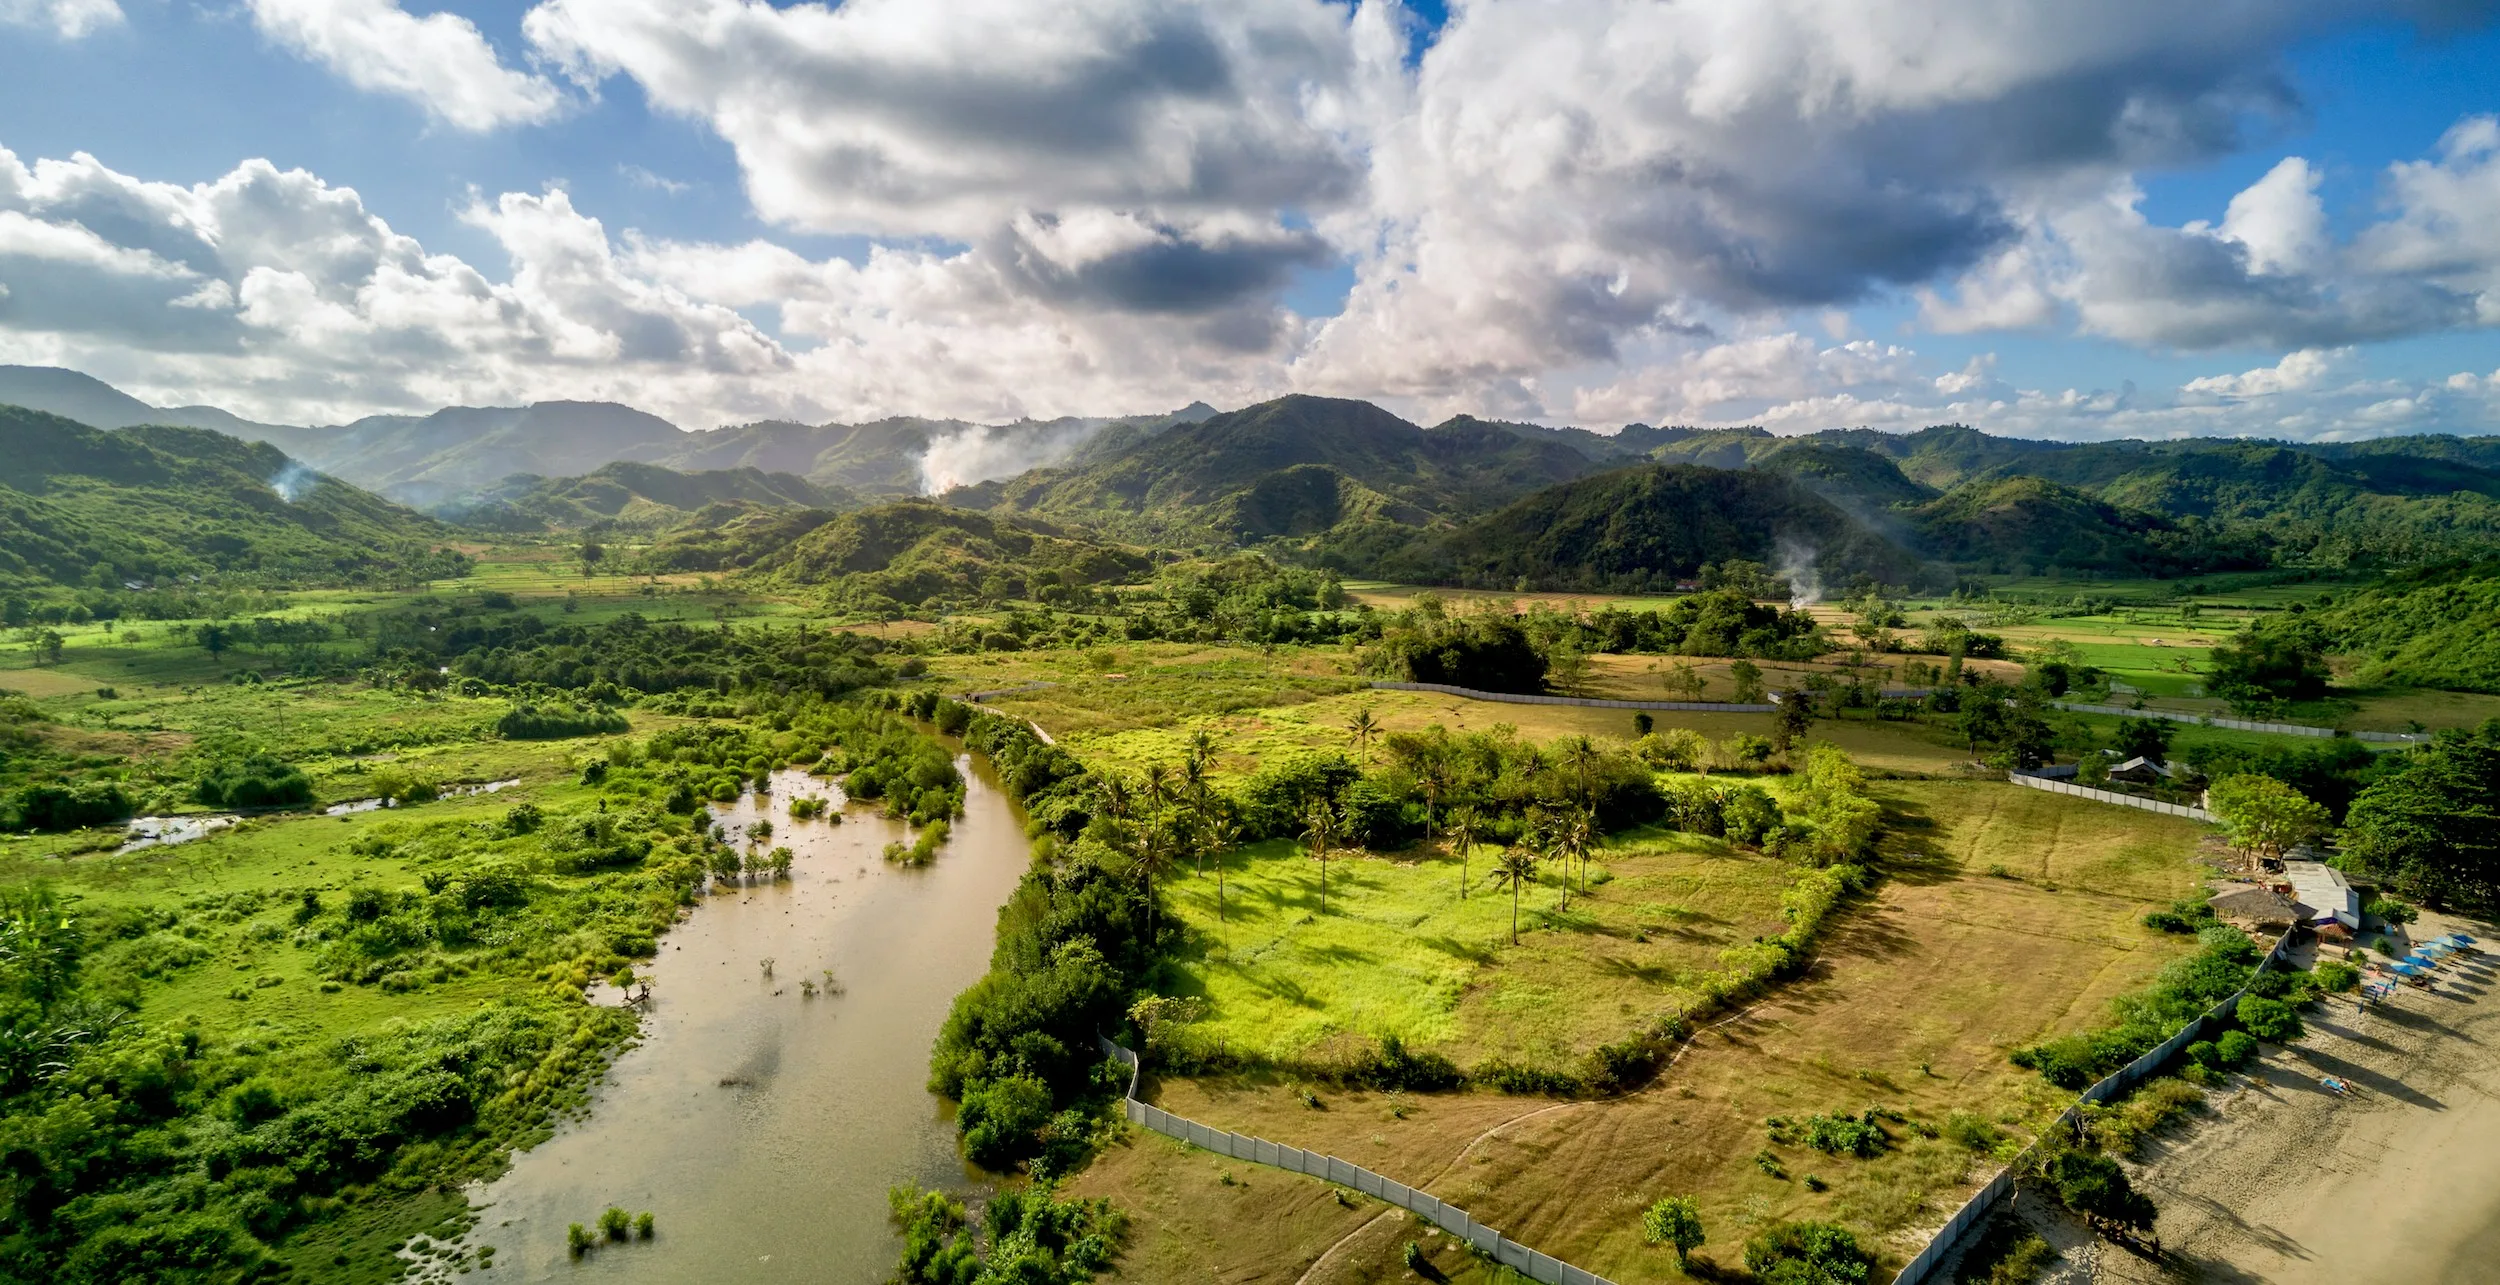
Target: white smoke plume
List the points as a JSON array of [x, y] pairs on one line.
[[978, 453], [293, 481], [1796, 566]]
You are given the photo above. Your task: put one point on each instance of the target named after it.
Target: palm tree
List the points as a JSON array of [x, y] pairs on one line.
[[1115, 796], [1583, 756], [1158, 787], [1516, 867], [1465, 829], [1223, 836], [1154, 855], [1361, 729], [1542, 835], [1575, 833], [1195, 790], [1320, 834]]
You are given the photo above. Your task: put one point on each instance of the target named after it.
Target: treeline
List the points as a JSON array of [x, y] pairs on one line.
[[626, 656], [2432, 628]]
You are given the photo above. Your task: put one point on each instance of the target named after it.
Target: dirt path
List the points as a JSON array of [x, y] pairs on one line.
[[2290, 1184]]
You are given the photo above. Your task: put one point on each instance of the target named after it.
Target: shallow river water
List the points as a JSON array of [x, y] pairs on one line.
[[761, 1127]]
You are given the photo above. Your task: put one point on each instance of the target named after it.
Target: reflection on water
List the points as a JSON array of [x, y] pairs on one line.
[[157, 832], [762, 1126], [446, 792]]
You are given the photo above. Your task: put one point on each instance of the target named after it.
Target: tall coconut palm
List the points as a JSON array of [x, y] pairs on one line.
[[1362, 729], [1223, 836], [1575, 834], [1155, 851], [1197, 794], [1466, 827], [1321, 826], [1541, 836], [1582, 756], [1115, 796], [1516, 867]]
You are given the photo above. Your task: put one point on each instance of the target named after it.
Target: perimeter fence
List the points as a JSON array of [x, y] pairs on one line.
[[2109, 796], [1984, 1201], [1345, 1173]]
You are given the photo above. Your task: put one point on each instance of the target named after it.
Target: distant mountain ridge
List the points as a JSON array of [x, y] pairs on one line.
[[437, 459], [154, 505], [627, 496]]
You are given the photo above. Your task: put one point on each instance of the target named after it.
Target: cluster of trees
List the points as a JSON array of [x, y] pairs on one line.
[[2273, 659], [1026, 1236], [140, 1153], [486, 639], [2429, 820], [558, 721]]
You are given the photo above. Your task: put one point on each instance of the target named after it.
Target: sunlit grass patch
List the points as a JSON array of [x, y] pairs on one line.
[[1398, 952]]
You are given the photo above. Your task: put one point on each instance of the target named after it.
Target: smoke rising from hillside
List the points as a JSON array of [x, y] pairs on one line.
[[293, 481], [1796, 566], [982, 452]]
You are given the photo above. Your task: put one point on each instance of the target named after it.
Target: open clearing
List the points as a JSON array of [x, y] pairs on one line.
[[1398, 953], [1912, 1003]]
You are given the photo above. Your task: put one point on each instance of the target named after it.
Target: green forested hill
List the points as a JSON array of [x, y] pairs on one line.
[[628, 496], [1298, 466], [2026, 525], [80, 506], [2439, 627], [906, 553], [1646, 527]]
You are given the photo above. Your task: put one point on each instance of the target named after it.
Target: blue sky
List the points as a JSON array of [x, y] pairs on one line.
[[1725, 298]]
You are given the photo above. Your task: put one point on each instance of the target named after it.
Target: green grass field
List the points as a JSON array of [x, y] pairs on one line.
[[1398, 952]]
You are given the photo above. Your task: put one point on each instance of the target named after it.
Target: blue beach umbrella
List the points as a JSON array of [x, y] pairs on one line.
[[2409, 970]]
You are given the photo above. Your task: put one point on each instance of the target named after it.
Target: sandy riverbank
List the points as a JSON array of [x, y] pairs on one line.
[[2287, 1183]]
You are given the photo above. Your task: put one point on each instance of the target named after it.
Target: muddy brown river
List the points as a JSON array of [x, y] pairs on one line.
[[759, 1126]]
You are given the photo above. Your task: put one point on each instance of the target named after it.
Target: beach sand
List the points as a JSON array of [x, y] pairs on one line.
[[2285, 1182]]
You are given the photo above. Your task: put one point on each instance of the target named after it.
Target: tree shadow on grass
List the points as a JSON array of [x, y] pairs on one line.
[[1457, 949]]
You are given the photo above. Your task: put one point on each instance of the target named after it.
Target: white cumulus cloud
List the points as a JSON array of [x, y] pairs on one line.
[[68, 19], [441, 61]]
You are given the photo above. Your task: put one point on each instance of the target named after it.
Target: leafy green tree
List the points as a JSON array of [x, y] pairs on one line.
[[1793, 718], [2265, 816], [2269, 660], [2431, 821], [1674, 1221], [1748, 679], [2144, 738], [48, 647]]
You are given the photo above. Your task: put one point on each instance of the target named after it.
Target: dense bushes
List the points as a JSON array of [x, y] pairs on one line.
[[1483, 651], [53, 805], [1807, 1253], [253, 781], [1032, 1238], [531, 722]]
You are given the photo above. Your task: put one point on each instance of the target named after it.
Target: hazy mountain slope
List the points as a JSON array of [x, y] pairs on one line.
[[2027, 525], [1649, 526], [626, 495], [1295, 466], [83, 506], [1856, 479], [914, 552]]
